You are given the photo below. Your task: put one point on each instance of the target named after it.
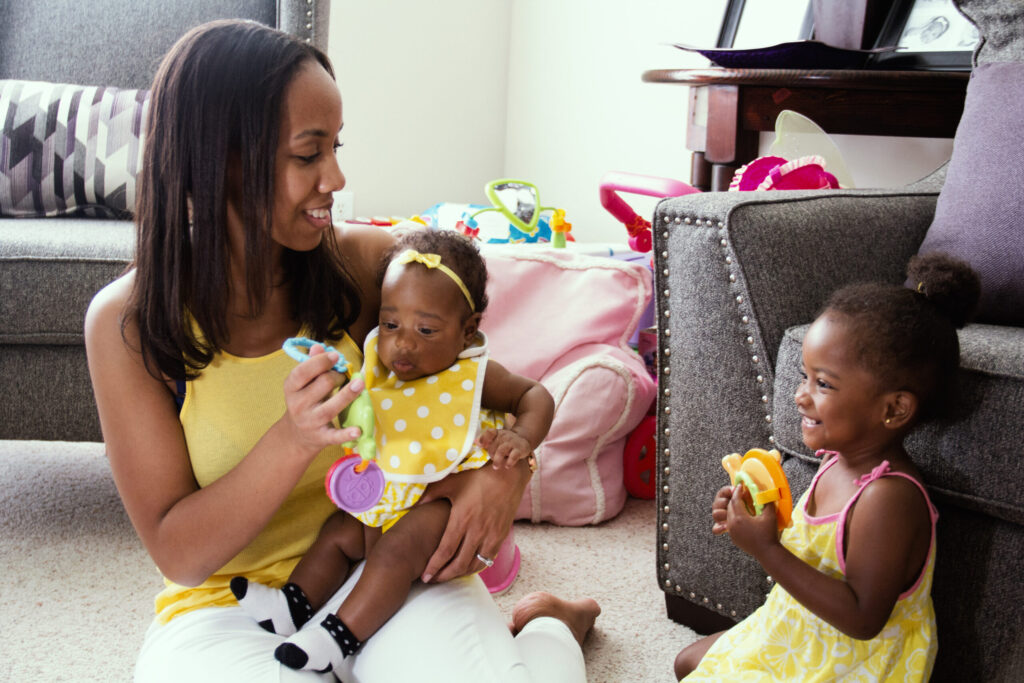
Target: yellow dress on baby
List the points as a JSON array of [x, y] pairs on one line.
[[784, 641], [426, 428]]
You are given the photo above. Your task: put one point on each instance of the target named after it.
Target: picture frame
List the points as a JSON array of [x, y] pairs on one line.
[[929, 35], [743, 27]]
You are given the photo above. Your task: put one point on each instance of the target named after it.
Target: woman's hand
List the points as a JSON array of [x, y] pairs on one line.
[[752, 534], [311, 409], [484, 503]]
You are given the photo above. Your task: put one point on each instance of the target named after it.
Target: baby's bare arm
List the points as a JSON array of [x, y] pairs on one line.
[[528, 402]]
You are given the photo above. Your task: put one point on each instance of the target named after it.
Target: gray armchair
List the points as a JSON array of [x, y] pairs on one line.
[[738, 277], [51, 267]]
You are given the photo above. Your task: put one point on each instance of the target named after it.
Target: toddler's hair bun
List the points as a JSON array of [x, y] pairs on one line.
[[947, 282]]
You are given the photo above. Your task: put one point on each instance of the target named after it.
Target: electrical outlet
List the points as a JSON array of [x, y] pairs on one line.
[[344, 206]]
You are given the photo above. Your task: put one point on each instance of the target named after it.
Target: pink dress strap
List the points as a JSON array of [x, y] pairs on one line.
[[805, 500], [884, 470]]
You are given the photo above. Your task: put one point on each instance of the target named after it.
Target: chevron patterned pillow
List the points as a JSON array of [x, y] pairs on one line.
[[69, 149]]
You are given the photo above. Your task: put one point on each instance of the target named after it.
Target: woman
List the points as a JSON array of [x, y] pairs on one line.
[[217, 441]]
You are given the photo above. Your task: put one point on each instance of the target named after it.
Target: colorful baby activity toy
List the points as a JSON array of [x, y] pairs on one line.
[[761, 473], [519, 202]]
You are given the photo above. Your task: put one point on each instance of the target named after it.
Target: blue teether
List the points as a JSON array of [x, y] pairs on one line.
[[294, 345]]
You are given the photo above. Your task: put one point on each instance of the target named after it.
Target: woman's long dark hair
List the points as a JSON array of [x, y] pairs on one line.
[[216, 100]]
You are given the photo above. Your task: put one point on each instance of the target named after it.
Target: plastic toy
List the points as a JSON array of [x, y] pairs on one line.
[[638, 464], [638, 227], [297, 348], [776, 173], [797, 161], [354, 485], [519, 202], [797, 136], [500, 575], [760, 471]]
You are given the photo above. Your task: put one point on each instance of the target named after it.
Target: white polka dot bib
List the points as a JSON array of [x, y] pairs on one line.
[[426, 428]]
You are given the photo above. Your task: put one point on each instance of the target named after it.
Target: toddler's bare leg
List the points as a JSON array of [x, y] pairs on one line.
[[689, 657]]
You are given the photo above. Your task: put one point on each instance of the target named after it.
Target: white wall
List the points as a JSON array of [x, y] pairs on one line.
[[441, 97], [423, 88], [577, 105]]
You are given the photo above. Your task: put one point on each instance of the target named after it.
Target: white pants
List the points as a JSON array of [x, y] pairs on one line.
[[448, 632]]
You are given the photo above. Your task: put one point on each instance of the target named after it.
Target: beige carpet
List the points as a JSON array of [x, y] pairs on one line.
[[77, 587]]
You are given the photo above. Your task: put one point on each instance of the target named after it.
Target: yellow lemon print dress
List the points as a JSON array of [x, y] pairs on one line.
[[784, 641], [426, 428]]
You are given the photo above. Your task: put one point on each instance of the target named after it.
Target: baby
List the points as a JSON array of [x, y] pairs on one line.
[[439, 404]]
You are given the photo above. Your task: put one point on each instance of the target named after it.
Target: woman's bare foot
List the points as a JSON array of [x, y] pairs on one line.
[[578, 615]]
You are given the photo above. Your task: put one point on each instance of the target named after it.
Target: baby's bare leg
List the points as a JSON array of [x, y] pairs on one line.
[[396, 561], [315, 578], [327, 563], [318, 575]]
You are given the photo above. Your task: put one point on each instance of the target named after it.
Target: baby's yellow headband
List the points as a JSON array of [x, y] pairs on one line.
[[433, 261]]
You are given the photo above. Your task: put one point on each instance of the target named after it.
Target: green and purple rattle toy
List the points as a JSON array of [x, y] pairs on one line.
[[353, 484]]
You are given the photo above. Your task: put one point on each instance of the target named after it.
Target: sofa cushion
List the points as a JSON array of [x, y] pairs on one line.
[[69, 149], [565, 319], [1001, 28], [980, 210], [972, 457], [49, 270]]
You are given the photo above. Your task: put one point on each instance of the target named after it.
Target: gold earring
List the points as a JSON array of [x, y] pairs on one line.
[[888, 420]]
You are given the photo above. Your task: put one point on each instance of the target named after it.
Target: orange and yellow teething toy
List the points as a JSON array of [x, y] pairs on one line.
[[760, 471]]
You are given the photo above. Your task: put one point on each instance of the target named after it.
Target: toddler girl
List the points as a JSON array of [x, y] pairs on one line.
[[853, 574], [439, 405]]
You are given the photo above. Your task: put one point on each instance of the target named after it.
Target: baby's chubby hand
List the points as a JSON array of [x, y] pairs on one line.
[[504, 446]]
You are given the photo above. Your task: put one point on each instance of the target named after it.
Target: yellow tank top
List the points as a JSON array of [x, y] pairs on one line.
[[227, 409]]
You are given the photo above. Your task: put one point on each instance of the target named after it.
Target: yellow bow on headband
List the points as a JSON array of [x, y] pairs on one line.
[[433, 261]]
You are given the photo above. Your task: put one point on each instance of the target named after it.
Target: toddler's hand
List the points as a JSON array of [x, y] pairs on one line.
[[750, 533], [504, 446], [719, 510]]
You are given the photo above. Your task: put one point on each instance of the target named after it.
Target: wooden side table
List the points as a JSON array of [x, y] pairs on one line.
[[729, 107]]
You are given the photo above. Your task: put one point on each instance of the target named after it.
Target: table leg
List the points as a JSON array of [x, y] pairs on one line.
[[721, 176], [700, 172]]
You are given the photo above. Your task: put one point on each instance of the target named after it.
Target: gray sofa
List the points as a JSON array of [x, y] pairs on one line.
[[738, 277], [51, 267]]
